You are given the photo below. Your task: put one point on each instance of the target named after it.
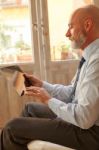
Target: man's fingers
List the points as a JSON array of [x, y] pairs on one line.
[[33, 89]]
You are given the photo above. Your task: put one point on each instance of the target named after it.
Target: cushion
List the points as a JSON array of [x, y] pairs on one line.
[[43, 145]]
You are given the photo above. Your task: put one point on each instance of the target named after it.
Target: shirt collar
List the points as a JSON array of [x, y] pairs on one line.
[[90, 49]]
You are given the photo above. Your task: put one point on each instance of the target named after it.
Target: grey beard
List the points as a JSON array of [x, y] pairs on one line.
[[78, 44]]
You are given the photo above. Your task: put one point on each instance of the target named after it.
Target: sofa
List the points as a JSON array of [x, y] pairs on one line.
[[43, 145]]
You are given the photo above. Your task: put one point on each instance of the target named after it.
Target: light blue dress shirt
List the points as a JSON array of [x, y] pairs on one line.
[[83, 110]]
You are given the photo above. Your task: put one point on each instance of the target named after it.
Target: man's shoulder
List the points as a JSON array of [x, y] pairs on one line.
[[94, 57]]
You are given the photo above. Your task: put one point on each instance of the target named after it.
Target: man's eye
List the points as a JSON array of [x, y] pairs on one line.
[[71, 26]]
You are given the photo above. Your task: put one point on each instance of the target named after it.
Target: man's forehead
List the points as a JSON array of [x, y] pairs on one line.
[[74, 18], [71, 21]]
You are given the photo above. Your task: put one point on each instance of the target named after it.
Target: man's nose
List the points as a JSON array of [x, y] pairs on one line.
[[68, 34]]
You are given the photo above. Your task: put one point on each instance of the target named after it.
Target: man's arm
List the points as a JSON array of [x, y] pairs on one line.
[[58, 91]]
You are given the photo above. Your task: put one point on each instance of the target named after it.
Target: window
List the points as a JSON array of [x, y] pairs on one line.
[[15, 32]]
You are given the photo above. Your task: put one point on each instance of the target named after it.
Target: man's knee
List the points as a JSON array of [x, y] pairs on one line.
[[33, 107], [12, 126], [15, 128], [28, 110], [30, 106]]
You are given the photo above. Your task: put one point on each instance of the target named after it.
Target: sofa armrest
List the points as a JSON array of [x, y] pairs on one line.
[[43, 145]]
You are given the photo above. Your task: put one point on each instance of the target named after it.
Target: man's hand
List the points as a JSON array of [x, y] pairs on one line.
[[34, 81], [39, 93]]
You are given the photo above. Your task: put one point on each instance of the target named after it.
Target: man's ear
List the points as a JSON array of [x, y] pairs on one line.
[[88, 24]]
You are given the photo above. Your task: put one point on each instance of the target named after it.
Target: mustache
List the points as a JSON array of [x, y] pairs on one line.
[[71, 38]]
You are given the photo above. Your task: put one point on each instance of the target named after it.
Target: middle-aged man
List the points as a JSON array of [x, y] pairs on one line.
[[69, 115]]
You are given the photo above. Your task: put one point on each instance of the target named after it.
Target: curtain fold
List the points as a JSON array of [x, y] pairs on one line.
[[11, 104]]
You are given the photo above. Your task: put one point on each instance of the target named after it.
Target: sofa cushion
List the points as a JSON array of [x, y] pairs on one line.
[[43, 145]]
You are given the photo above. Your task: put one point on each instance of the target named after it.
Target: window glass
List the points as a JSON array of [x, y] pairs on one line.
[[15, 34], [59, 12]]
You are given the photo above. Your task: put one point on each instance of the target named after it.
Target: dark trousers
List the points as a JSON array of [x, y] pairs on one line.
[[38, 122]]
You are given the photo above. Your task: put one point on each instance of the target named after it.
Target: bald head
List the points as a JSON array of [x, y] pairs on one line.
[[83, 26], [91, 11]]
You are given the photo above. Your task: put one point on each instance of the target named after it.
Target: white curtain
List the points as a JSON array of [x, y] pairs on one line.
[[11, 104]]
